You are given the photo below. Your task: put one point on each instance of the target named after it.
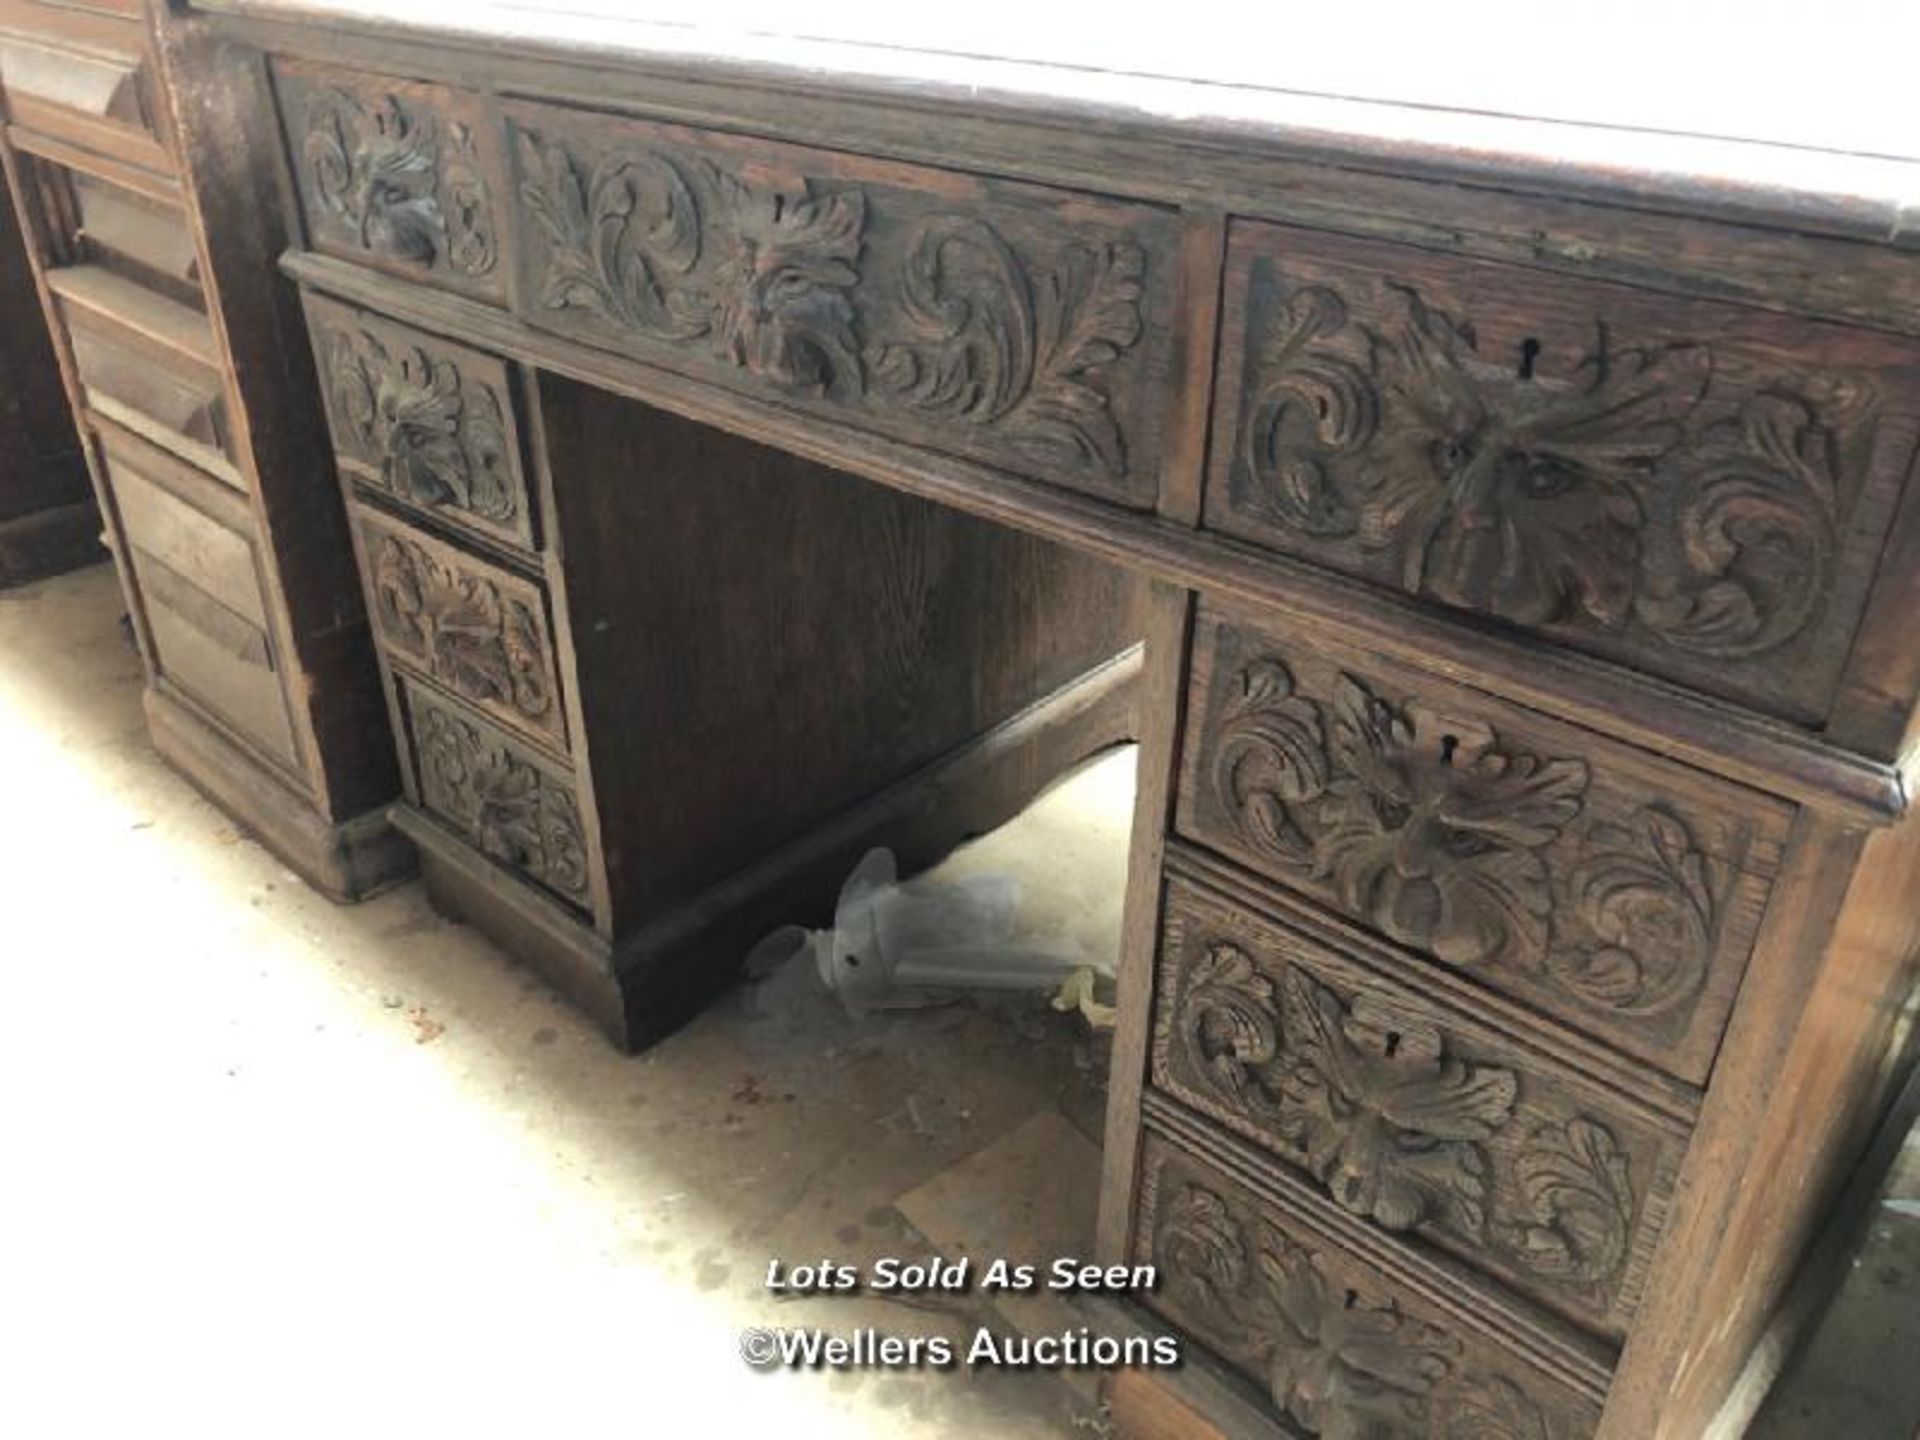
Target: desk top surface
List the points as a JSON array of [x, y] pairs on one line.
[[1766, 110]]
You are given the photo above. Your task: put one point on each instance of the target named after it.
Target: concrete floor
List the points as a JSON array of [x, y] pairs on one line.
[[278, 1168]]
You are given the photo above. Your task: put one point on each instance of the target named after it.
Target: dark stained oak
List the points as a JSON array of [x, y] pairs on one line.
[[1500, 534]]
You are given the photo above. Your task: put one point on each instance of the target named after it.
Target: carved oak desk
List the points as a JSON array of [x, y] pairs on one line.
[[1524, 548]]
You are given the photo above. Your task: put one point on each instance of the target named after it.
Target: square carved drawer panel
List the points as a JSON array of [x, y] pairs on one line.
[[1340, 1346], [428, 422], [1695, 489], [511, 803], [476, 628], [1021, 326], [1615, 891], [1409, 1112], [395, 175]]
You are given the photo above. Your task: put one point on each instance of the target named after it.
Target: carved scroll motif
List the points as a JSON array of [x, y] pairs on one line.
[[437, 437], [511, 809], [989, 341], [775, 283], [382, 170], [1624, 501], [487, 646], [1339, 1364], [1439, 833]]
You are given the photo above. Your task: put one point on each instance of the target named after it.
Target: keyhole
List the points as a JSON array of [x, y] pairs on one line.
[[1353, 1299], [1393, 1043], [1529, 352], [1448, 744]]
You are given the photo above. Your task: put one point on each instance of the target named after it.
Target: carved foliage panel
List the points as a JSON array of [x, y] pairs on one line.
[[395, 174], [1001, 321], [1341, 1352], [513, 806], [1691, 488], [1615, 892], [429, 422], [477, 629], [1408, 1116]]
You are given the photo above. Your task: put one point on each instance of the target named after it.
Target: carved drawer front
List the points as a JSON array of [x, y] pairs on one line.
[[148, 363], [425, 421], [509, 802], [200, 593], [1695, 489], [1339, 1347], [394, 175], [1410, 1113], [99, 96], [479, 630], [1020, 326], [1615, 891]]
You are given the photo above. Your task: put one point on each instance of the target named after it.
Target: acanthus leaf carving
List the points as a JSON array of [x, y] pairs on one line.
[[760, 276], [486, 645], [1340, 1365], [1269, 756], [1579, 1202], [1438, 833], [1369, 1101], [990, 341], [1642, 900], [1492, 1407], [377, 167], [514, 812], [1434, 829], [437, 438], [1621, 499]]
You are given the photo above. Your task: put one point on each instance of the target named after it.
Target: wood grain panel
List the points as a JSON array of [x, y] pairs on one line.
[[1025, 327], [428, 422], [1340, 1347], [1690, 488], [1614, 891], [1421, 1118], [474, 627]]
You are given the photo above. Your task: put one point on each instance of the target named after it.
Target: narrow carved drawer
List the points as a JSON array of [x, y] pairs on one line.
[[1615, 891], [1410, 1112], [394, 175], [512, 804], [428, 422], [1695, 489], [148, 363], [479, 630], [1340, 1347], [200, 593], [1020, 326], [101, 96]]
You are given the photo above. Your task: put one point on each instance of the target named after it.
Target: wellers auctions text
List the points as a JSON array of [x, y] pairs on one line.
[[1069, 1350]]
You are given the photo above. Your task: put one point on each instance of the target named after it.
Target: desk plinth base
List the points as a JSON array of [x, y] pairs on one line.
[[650, 983], [344, 860]]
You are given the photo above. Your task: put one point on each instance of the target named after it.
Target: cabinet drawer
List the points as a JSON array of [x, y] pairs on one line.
[[1339, 1346], [477, 629], [1692, 488], [148, 363], [512, 804], [1615, 891], [102, 96], [428, 422], [394, 175], [1023, 327], [141, 237], [1408, 1111], [204, 611]]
